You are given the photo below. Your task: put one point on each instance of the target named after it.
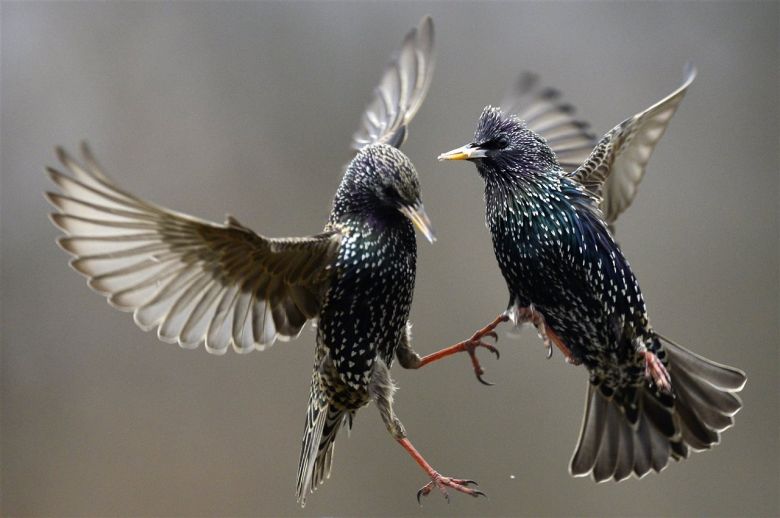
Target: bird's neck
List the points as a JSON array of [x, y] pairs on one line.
[[367, 218], [509, 190], [533, 207]]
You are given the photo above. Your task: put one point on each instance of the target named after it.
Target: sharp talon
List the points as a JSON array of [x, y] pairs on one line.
[[549, 352], [491, 334], [424, 492], [482, 380], [443, 483]]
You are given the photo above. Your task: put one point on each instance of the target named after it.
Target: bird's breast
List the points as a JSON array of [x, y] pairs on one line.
[[368, 302], [534, 238]]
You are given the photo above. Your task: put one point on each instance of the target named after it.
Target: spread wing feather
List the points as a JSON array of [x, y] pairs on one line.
[[194, 280], [616, 166], [400, 92], [544, 113]]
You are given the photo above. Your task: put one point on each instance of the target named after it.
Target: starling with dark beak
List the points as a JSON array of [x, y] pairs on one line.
[[227, 286], [648, 399]]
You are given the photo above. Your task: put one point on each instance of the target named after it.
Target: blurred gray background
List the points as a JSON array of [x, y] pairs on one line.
[[248, 108]]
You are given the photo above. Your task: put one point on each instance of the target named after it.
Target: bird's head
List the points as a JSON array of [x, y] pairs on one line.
[[502, 144], [381, 183]]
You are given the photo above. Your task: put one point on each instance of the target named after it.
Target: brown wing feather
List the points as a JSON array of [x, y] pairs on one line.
[[192, 279], [616, 166], [401, 90], [547, 115]]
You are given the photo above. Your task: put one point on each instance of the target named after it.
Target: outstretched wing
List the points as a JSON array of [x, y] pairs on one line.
[[401, 91], [544, 113], [193, 280], [616, 166]]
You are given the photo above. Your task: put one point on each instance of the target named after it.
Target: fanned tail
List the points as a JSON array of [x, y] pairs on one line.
[[638, 430], [319, 435]]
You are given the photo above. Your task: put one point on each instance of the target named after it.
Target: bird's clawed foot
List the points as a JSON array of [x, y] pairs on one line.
[[529, 315], [470, 346], [443, 483], [655, 370], [476, 340]]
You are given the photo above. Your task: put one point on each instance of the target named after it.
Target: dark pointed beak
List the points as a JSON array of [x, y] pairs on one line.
[[416, 214], [467, 152]]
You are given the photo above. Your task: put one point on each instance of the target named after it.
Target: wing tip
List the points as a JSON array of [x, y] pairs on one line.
[[56, 220], [62, 155], [426, 31], [418, 45], [689, 73], [55, 199], [64, 242]]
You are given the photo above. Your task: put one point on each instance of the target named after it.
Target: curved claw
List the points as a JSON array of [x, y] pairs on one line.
[[483, 381], [549, 351], [443, 482], [489, 347], [491, 334], [471, 347]]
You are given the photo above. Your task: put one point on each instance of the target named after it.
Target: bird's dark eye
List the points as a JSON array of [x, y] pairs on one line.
[[495, 143]]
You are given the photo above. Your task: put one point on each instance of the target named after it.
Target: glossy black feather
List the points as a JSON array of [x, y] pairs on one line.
[[558, 256]]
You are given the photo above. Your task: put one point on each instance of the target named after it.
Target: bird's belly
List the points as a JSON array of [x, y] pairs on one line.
[[608, 353], [582, 286], [535, 270], [340, 394], [579, 318], [584, 336]]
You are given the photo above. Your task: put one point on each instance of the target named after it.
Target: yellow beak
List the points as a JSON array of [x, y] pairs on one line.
[[467, 152], [420, 219]]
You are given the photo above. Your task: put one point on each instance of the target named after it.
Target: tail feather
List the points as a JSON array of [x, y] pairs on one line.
[[660, 413], [708, 413], [590, 436], [642, 454], [333, 420], [715, 374], [322, 425], [610, 447], [659, 447], [705, 394], [694, 431], [604, 467], [625, 458]]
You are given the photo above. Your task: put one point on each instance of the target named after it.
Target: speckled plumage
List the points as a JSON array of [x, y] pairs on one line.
[[556, 253], [377, 261], [366, 305], [227, 287], [562, 265]]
